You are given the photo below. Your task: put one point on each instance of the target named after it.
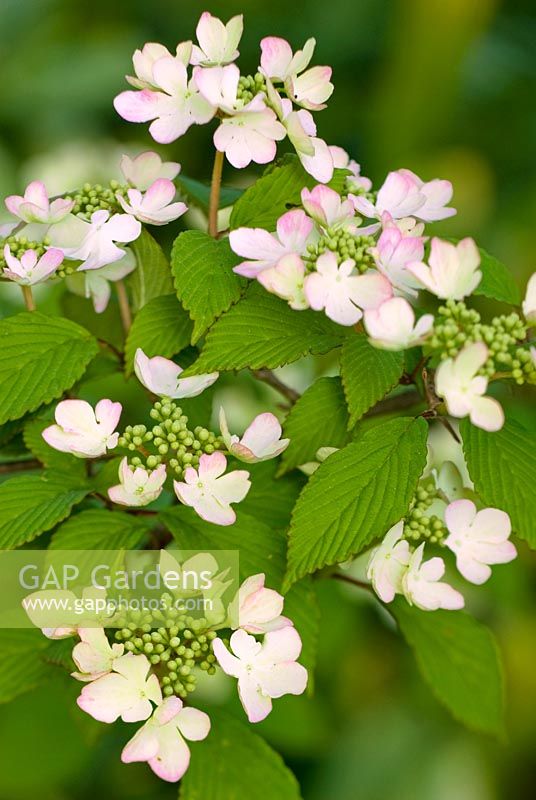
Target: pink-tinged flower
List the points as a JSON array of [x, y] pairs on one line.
[[422, 586], [209, 492], [59, 633], [478, 538], [93, 655], [95, 283], [279, 62], [143, 62], [264, 671], [36, 207], [312, 88], [392, 325], [529, 303], [217, 42], [314, 153], [453, 272], [98, 248], [249, 135], [388, 563], [261, 440], [457, 381], [399, 195], [341, 292], [138, 486], [160, 741], [155, 206], [437, 194], [83, 432], [259, 609], [341, 160], [127, 692], [29, 270], [325, 206], [393, 252], [162, 377], [175, 108], [286, 280], [146, 168], [294, 232]]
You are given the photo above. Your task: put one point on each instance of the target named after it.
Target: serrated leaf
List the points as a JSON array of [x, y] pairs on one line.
[[356, 495], [106, 325], [161, 328], [32, 504], [204, 279], [152, 276], [263, 331], [275, 192], [367, 373], [318, 419], [100, 529], [233, 763], [271, 499], [40, 357], [199, 193], [261, 549], [60, 462], [503, 468], [22, 666], [459, 659]]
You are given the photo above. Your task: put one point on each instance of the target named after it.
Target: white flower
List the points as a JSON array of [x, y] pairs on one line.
[[314, 153], [127, 692], [264, 671], [138, 486], [261, 440], [309, 89], [437, 194], [162, 377], [388, 563], [422, 587], [286, 280], [93, 655], [217, 42], [259, 609], [97, 246], [395, 249], [155, 206], [209, 492], [144, 60], [83, 432], [453, 272], [456, 380], [29, 270], [146, 168], [342, 292], [392, 325], [404, 194], [325, 206], [478, 538], [36, 207], [95, 283], [529, 303], [160, 741], [293, 233]]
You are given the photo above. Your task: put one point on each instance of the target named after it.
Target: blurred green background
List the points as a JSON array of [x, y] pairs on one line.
[[444, 87]]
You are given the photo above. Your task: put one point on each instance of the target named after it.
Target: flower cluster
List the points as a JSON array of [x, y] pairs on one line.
[[195, 459], [146, 671], [200, 82]]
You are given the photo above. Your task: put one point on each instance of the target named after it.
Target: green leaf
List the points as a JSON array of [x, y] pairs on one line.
[[498, 282], [60, 462], [32, 504], [161, 328], [275, 192], [356, 495], [204, 279], [199, 193], [21, 662], [368, 374], [152, 276], [100, 529], [459, 659], [318, 419], [271, 499], [106, 325], [261, 549], [503, 469], [263, 331], [40, 357], [234, 763]]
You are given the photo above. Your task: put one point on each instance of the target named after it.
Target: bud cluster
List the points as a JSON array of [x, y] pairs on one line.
[[91, 198], [249, 86], [418, 526], [345, 245]]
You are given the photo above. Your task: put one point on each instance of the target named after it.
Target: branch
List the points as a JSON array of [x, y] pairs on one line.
[[20, 466], [338, 576], [215, 188], [397, 403], [267, 376]]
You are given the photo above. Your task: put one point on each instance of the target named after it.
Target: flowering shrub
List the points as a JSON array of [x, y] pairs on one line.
[[312, 259]]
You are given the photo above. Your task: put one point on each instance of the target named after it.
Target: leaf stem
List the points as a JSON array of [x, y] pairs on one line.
[[124, 307], [267, 376], [28, 297], [338, 576], [215, 188]]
